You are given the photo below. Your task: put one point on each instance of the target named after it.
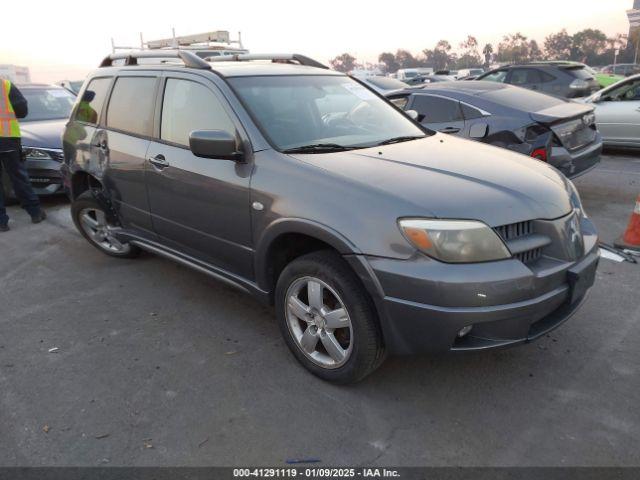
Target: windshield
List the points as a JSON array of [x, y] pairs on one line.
[[522, 99], [48, 103], [386, 83], [303, 110]]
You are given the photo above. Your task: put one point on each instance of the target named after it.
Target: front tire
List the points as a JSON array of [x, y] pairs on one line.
[[90, 219], [327, 318]]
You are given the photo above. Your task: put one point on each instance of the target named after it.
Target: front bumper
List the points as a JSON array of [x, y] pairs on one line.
[[45, 176], [579, 162], [426, 303]]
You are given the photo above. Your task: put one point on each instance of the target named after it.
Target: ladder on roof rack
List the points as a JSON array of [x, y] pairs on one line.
[[189, 59], [274, 57]]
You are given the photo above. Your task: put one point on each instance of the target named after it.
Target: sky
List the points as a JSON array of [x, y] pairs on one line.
[[66, 39]]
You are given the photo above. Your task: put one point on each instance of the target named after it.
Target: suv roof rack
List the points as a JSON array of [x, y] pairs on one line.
[[190, 60], [246, 57]]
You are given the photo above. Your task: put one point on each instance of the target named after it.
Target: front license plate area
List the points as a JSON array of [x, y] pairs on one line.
[[581, 277]]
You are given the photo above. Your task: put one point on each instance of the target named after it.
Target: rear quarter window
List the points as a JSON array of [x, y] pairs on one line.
[[93, 98], [131, 105], [580, 73]]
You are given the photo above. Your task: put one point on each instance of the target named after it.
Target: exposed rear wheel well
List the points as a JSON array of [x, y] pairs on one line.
[[81, 182], [288, 247]]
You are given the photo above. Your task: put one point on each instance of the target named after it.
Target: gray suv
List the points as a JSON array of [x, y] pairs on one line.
[[370, 234]]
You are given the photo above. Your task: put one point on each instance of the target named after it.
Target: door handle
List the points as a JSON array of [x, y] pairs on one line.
[[158, 161], [102, 145], [449, 130]]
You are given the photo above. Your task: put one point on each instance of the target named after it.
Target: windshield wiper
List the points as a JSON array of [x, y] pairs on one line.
[[319, 148], [406, 138]]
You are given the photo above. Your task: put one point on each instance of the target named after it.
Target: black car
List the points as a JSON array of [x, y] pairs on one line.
[[569, 80], [41, 129], [555, 130]]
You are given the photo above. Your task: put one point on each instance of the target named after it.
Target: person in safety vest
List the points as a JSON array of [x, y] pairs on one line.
[[13, 106]]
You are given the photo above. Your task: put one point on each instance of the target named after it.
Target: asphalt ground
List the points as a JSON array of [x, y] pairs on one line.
[[157, 364]]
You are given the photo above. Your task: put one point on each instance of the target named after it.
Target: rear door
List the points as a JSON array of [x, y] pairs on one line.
[[438, 113], [121, 147], [526, 78], [618, 114], [199, 206]]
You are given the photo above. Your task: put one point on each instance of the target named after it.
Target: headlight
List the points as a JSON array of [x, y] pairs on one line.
[[576, 203], [454, 241], [32, 153]]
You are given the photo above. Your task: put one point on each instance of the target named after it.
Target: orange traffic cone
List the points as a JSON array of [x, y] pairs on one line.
[[631, 238]]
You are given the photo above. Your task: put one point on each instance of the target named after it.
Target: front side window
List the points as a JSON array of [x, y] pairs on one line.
[[627, 92], [437, 109], [131, 105], [48, 103], [189, 106], [306, 110], [93, 98]]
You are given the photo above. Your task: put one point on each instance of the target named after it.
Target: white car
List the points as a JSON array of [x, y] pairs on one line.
[[617, 110]]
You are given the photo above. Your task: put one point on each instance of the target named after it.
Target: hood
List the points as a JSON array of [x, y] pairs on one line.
[[561, 112], [447, 177], [43, 134]]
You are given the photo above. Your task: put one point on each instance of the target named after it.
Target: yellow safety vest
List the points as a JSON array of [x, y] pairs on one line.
[[9, 126]]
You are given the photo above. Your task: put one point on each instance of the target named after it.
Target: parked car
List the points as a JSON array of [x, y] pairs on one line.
[[382, 84], [406, 74], [469, 72], [370, 234], [617, 110], [49, 109], [603, 79], [73, 86], [624, 69], [554, 130], [561, 80]]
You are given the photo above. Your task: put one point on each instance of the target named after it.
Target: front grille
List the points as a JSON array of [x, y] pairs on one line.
[[514, 230], [519, 230]]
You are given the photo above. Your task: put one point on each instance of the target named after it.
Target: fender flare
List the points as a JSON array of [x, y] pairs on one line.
[[302, 226]]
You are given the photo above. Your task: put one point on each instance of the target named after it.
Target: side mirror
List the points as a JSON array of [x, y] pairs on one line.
[[217, 144], [412, 114], [479, 130]]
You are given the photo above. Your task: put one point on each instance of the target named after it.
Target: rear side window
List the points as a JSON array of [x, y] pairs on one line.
[[189, 106], [131, 105], [437, 109], [93, 98], [546, 77], [524, 76]]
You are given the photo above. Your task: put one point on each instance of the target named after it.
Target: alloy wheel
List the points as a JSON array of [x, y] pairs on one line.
[[319, 322], [94, 223]]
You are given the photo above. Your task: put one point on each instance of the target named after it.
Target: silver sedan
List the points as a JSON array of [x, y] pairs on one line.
[[617, 110]]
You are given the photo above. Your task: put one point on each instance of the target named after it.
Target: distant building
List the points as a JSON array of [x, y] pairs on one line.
[[15, 73]]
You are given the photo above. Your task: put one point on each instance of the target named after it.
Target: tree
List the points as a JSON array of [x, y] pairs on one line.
[[558, 45], [588, 45], [534, 51], [440, 58], [388, 59], [513, 48], [487, 51], [343, 63], [405, 59], [470, 56]]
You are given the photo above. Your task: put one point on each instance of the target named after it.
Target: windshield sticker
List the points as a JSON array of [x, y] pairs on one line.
[[360, 91]]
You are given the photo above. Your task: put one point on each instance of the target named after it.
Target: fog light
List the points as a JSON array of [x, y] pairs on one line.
[[464, 331]]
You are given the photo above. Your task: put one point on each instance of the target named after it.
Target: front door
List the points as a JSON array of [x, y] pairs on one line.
[[199, 206]]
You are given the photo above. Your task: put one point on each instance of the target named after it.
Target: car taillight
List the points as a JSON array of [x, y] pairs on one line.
[[579, 84], [540, 154]]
